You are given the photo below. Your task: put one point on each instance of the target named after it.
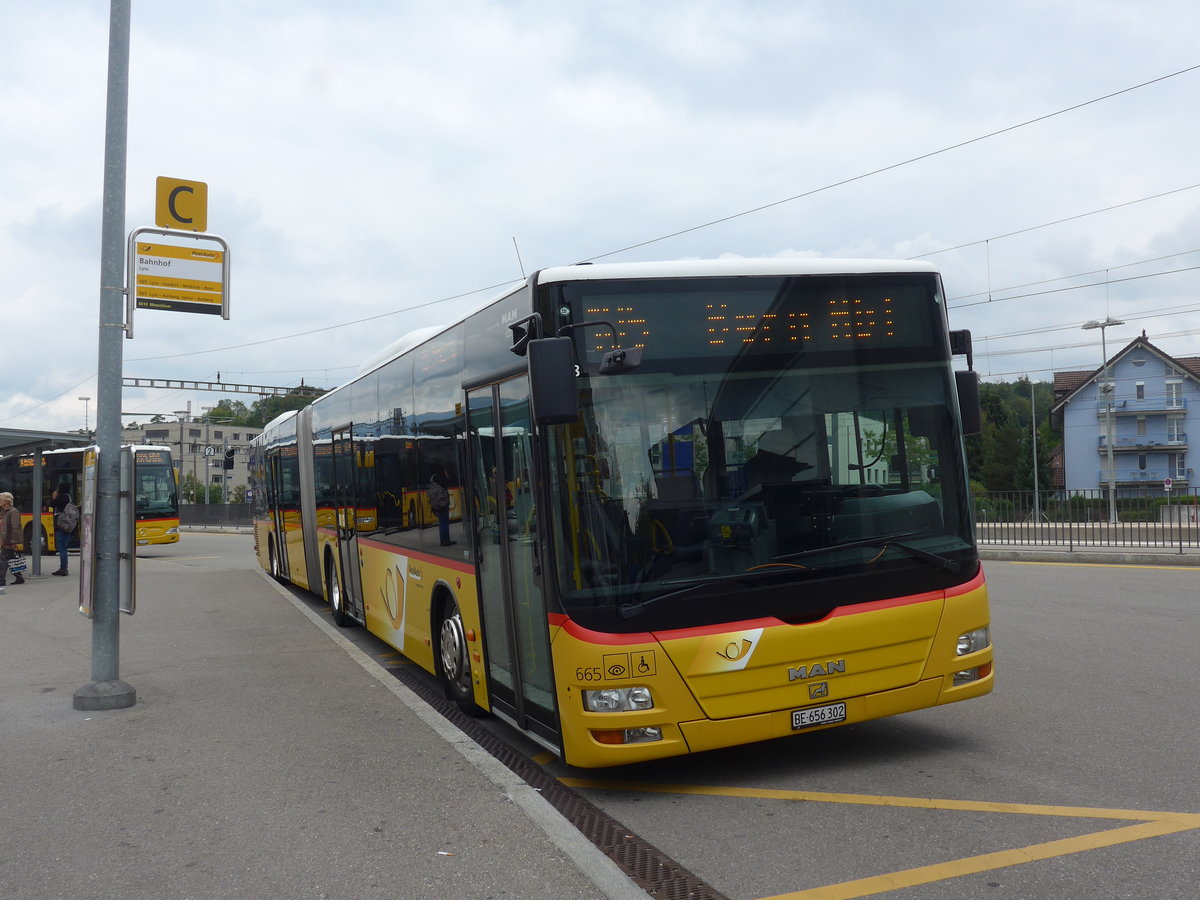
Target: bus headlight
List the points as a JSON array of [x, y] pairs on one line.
[[974, 641], [618, 699]]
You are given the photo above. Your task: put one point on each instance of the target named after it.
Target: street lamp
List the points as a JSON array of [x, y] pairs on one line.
[[85, 400], [1107, 389]]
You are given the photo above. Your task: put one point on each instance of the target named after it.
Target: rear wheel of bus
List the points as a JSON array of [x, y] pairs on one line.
[[333, 588], [273, 555]]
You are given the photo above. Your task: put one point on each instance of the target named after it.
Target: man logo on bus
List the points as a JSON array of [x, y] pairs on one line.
[[799, 673]]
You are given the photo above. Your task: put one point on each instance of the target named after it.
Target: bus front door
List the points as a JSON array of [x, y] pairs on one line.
[[345, 596], [516, 637]]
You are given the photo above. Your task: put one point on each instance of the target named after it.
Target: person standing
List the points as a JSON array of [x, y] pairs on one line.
[[62, 538], [10, 536], [439, 503]]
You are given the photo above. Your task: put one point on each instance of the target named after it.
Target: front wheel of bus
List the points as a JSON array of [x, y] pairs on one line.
[[276, 572], [456, 663], [336, 601]]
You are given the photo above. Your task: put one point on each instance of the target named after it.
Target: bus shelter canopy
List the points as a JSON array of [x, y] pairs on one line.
[[20, 440]]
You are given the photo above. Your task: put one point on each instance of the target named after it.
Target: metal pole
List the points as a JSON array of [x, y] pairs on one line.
[[1108, 426], [1037, 507], [106, 690]]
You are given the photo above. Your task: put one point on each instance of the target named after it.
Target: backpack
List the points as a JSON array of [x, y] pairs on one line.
[[68, 519], [439, 497]]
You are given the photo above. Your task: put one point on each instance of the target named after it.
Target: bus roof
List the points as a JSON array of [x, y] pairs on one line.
[[701, 268], [400, 345]]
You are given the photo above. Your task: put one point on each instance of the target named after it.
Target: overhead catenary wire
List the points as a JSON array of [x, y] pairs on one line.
[[1073, 218], [747, 212], [713, 222], [888, 168]]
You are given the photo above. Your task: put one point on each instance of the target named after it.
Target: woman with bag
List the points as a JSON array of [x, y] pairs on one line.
[[10, 537], [59, 501]]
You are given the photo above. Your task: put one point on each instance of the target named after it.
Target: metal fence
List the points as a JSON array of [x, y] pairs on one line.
[[1084, 519], [211, 514]]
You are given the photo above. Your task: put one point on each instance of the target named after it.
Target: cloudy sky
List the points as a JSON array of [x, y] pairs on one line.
[[378, 167]]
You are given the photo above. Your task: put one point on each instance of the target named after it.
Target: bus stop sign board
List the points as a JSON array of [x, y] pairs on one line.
[[191, 276], [184, 279]]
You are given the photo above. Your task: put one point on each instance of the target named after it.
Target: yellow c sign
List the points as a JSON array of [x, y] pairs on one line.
[[181, 205]]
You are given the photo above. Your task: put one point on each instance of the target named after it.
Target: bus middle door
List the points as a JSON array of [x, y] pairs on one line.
[[345, 593], [278, 504]]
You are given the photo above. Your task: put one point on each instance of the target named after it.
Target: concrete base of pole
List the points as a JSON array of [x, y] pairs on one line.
[[99, 695]]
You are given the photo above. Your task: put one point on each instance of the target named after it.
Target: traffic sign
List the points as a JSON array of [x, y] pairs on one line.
[[1166, 484], [179, 204]]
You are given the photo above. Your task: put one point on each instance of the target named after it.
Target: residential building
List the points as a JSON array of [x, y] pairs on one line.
[[199, 448], [1147, 403]]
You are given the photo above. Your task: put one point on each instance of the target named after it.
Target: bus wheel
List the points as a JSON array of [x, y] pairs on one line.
[[274, 558], [336, 604], [43, 546], [456, 664]]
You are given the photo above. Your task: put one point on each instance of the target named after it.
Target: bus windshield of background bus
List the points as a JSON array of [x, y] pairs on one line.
[[154, 491], [755, 457]]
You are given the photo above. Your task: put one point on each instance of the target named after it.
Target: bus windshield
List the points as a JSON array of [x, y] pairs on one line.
[[155, 494], [753, 470]]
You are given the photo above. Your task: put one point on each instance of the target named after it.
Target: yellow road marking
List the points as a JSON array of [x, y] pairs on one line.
[[972, 865], [1150, 824], [544, 757]]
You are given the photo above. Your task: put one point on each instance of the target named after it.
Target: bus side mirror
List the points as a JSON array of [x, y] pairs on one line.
[[552, 380], [967, 384]]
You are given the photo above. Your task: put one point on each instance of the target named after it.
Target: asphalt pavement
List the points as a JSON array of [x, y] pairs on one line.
[[263, 757]]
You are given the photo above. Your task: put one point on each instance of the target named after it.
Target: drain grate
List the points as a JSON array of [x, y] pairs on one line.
[[651, 869]]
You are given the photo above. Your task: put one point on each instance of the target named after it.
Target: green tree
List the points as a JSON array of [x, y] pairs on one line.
[[1001, 456], [266, 409], [235, 412], [260, 412], [190, 489]]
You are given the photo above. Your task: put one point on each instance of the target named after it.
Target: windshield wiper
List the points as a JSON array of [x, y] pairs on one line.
[[629, 610], [883, 542]]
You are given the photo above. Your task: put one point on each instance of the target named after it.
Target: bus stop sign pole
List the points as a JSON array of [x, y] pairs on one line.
[[106, 690]]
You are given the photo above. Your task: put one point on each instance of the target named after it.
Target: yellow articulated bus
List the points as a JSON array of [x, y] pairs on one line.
[[155, 488], [690, 505]]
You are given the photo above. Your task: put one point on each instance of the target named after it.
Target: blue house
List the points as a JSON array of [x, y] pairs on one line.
[[1144, 404]]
